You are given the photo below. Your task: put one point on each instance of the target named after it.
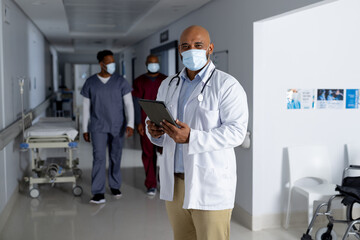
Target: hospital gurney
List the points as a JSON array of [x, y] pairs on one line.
[[52, 133]]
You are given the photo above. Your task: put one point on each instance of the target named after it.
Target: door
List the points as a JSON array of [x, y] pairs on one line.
[[81, 73]]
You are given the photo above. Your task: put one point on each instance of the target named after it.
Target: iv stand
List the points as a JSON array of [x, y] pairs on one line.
[[21, 84]]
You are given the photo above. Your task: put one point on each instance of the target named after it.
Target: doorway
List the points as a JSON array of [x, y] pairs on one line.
[[168, 57]]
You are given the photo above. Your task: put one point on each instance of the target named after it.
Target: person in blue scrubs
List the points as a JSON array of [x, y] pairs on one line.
[[108, 104]]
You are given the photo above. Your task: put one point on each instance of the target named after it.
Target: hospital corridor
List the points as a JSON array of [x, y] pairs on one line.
[[57, 214], [179, 119]]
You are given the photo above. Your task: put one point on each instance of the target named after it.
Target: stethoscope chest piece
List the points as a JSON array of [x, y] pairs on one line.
[[200, 97]]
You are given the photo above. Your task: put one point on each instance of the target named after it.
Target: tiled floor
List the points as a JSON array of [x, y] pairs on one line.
[[57, 214]]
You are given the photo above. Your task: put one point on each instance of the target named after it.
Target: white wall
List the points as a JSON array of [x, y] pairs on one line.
[[36, 47], [2, 114], [317, 47], [230, 23], [24, 52]]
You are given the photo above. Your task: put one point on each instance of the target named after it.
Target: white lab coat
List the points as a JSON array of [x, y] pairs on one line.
[[218, 124]]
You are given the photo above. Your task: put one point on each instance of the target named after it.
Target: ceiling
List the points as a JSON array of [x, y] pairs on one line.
[[87, 25]]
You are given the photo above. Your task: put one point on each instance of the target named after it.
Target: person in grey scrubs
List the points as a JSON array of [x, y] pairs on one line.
[[108, 105]]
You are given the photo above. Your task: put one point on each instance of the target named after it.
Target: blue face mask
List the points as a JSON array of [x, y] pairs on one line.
[[153, 67], [194, 59], [110, 68]]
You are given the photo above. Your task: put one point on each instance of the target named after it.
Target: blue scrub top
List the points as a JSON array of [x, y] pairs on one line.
[[186, 90], [107, 113]]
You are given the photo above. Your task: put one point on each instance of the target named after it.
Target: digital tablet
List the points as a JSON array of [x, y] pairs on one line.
[[156, 111]]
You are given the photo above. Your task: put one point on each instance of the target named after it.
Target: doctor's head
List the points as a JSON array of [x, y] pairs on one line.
[[195, 47], [106, 61], [152, 64]]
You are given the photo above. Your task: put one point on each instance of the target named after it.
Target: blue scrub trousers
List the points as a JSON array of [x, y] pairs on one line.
[[115, 143]]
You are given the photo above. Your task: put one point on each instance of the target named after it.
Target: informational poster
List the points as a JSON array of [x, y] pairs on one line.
[[352, 98], [330, 99], [300, 98]]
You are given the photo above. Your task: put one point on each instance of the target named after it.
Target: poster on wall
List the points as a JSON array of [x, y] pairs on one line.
[[300, 98], [352, 98], [330, 99]]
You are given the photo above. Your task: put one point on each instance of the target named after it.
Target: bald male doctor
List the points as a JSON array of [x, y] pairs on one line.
[[198, 166]]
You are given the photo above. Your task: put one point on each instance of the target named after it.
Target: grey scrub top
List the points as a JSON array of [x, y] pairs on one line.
[[107, 113]]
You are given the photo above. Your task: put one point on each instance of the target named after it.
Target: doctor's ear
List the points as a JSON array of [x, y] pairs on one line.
[[211, 48]]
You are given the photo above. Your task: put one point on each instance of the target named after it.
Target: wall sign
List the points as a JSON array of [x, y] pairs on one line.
[[352, 98], [164, 36], [330, 98], [322, 98], [300, 98]]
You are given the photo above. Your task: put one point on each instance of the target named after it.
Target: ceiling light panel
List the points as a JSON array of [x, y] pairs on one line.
[[104, 16]]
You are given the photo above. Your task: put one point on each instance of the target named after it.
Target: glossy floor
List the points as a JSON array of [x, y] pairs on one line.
[[57, 214]]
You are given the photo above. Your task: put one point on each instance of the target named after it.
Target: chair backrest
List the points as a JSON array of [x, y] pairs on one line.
[[309, 161], [353, 153]]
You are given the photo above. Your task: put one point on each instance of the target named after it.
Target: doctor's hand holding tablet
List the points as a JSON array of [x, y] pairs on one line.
[[179, 134], [162, 122]]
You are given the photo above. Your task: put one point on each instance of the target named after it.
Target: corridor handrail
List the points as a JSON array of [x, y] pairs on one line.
[[12, 131]]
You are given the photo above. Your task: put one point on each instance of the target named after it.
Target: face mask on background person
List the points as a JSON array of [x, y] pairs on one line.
[[110, 68], [194, 59], [153, 67]]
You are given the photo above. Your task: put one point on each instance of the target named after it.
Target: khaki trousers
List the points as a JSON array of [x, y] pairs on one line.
[[192, 224]]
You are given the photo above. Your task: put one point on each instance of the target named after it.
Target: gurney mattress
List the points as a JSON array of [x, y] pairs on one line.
[[49, 127]]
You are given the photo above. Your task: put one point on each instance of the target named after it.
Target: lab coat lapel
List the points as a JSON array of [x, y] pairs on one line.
[[196, 91], [199, 87]]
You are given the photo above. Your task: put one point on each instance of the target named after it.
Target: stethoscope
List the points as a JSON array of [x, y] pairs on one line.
[[200, 96]]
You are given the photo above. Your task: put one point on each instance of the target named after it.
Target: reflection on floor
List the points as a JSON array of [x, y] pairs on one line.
[[57, 214]]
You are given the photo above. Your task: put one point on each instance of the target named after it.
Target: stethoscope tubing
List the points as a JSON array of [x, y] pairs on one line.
[[178, 82]]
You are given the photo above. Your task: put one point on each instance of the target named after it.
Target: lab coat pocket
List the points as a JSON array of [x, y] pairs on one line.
[[207, 119], [213, 185]]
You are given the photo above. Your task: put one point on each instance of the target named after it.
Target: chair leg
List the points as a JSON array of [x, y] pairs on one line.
[[310, 209], [287, 217]]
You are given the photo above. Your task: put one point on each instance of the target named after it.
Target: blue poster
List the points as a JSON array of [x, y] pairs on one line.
[[352, 98], [330, 99], [300, 98]]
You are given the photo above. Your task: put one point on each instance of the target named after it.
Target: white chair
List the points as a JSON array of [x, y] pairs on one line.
[[309, 162], [353, 155]]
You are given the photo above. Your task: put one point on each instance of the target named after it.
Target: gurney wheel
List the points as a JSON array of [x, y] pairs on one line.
[[77, 191], [34, 193], [320, 234]]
